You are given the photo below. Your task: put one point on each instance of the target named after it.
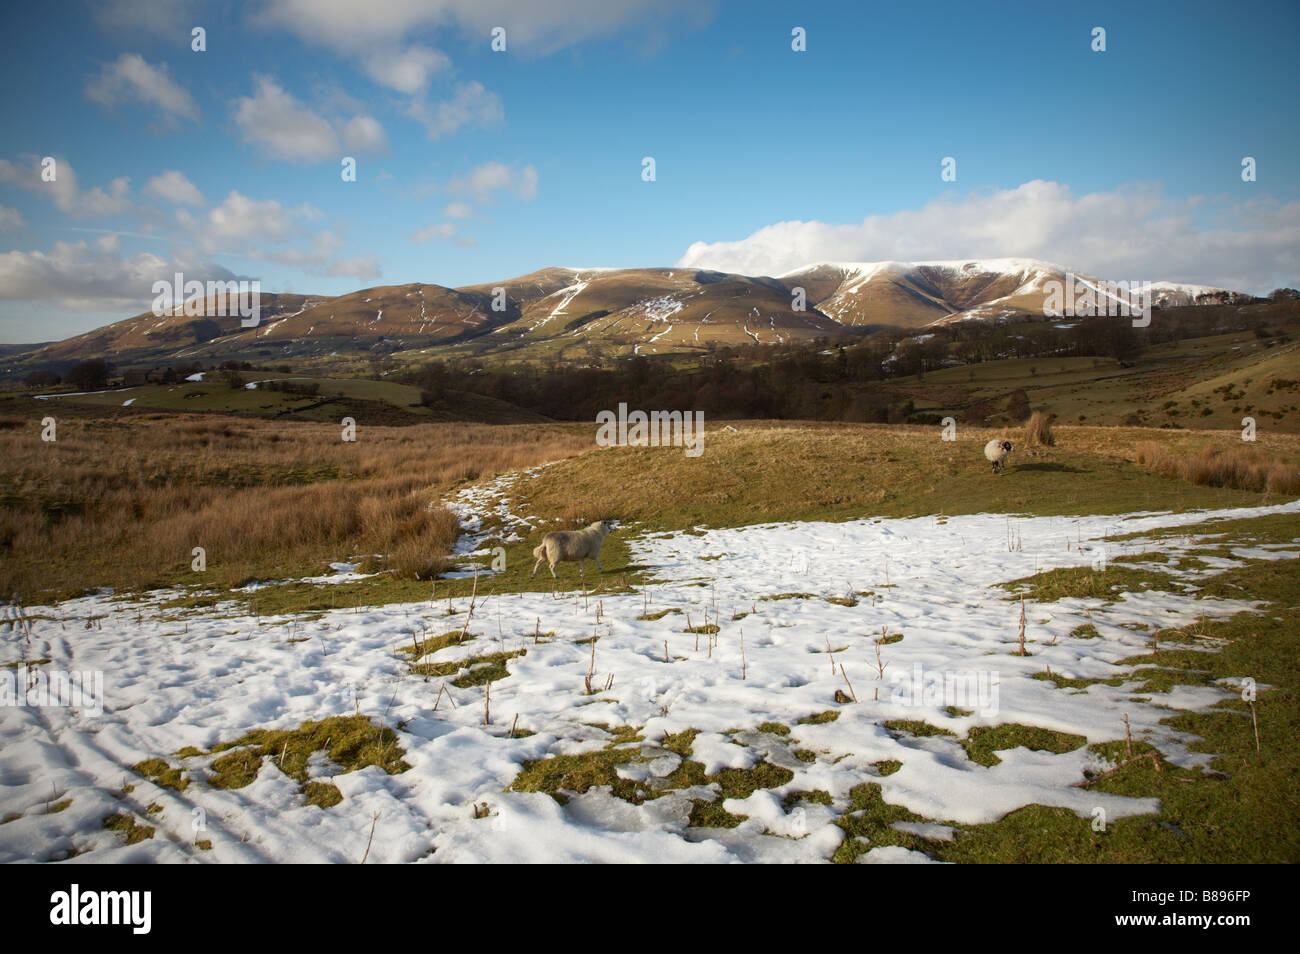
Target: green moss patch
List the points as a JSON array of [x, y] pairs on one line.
[[983, 741], [821, 718], [350, 742], [659, 615], [1082, 582], [1063, 682], [475, 671], [126, 825], [915, 727], [162, 774]]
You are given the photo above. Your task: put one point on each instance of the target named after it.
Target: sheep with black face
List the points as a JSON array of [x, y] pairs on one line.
[[996, 452]]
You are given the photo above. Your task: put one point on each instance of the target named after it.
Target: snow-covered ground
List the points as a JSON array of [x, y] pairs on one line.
[[209, 677]]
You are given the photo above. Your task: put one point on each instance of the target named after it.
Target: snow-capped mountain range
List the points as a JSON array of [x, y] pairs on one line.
[[641, 310]]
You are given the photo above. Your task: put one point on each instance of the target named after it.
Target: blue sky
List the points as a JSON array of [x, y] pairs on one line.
[[476, 166]]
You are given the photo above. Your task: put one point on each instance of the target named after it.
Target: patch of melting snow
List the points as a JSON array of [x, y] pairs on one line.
[[169, 686]]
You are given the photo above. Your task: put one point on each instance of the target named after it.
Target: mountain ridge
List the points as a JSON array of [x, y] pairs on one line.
[[624, 310]]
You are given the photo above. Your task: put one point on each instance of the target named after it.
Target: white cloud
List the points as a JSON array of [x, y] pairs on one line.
[[470, 105], [243, 219], [359, 267], [63, 191], [407, 71], [364, 134], [162, 17], [264, 230], [492, 177], [442, 232], [174, 187], [1134, 233], [131, 79], [459, 210], [77, 275], [283, 127], [536, 27], [10, 218]]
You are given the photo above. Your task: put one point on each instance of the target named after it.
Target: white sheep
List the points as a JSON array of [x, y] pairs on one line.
[[996, 452], [560, 545]]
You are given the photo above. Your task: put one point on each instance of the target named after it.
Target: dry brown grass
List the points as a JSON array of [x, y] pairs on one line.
[[123, 503], [1038, 430], [1237, 467], [774, 471]]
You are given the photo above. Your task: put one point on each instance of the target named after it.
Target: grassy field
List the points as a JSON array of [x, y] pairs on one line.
[[1199, 383], [758, 472], [122, 500], [368, 400]]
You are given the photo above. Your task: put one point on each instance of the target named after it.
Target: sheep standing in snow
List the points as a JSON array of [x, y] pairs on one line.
[[996, 452], [560, 545]]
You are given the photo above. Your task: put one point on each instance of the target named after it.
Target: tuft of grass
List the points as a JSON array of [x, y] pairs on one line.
[[915, 727], [1062, 682], [820, 718], [350, 742], [1038, 430], [126, 825], [816, 796], [1082, 582], [706, 814], [681, 742], [162, 774], [475, 671], [427, 647], [867, 824], [659, 615]]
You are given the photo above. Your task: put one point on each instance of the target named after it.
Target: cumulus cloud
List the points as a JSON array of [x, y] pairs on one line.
[[63, 190], [405, 70], [282, 127], [492, 177], [442, 232], [265, 230], [162, 17], [364, 134], [78, 275], [535, 27], [471, 104], [131, 79], [240, 218], [1134, 233], [10, 218], [174, 187], [361, 267], [459, 210]]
